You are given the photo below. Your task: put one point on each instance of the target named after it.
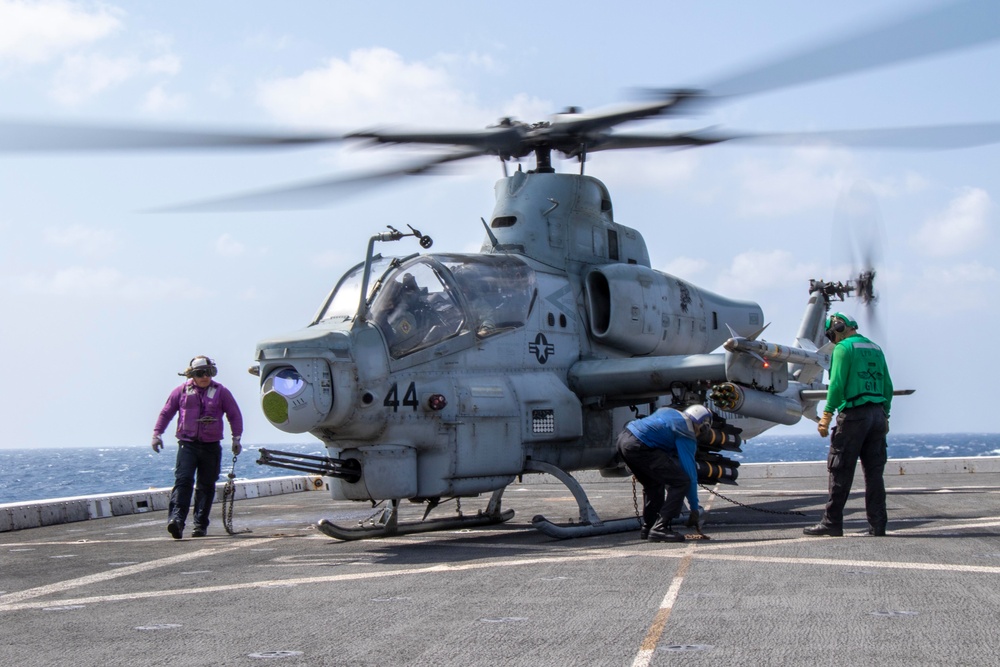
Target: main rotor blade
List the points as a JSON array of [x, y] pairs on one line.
[[24, 136], [928, 137], [313, 194], [578, 123], [499, 139], [946, 27]]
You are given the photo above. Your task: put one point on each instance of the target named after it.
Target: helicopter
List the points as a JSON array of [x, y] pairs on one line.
[[438, 376]]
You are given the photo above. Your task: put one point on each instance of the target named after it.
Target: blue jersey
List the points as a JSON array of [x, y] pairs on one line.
[[667, 429]]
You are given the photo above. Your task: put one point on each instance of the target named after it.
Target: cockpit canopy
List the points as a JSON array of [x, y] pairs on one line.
[[421, 301]]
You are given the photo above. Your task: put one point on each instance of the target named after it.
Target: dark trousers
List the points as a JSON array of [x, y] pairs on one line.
[[201, 461], [860, 433], [658, 472]]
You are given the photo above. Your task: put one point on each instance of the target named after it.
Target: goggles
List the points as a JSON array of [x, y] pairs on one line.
[[201, 374]]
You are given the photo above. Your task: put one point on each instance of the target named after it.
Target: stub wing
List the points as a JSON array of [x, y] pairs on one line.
[[637, 379]]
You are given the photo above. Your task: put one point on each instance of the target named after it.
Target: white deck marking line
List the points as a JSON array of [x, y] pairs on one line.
[[882, 565], [11, 602], [15, 606], [19, 596], [985, 522], [652, 638], [947, 527]]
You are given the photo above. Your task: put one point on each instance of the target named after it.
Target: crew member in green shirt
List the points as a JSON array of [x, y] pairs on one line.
[[860, 392]]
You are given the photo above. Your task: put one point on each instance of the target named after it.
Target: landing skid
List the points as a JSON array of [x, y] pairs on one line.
[[388, 524], [590, 524]]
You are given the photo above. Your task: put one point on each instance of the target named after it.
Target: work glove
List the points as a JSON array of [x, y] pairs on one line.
[[237, 447], [157, 443], [824, 424]]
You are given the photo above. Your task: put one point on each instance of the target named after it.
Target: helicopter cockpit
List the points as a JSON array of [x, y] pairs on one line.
[[427, 299]]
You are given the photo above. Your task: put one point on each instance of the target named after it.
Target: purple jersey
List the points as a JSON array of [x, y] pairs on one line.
[[201, 412]]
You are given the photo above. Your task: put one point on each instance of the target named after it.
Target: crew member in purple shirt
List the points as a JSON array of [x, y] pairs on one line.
[[201, 402], [659, 450]]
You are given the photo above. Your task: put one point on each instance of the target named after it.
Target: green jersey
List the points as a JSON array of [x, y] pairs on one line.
[[858, 375]]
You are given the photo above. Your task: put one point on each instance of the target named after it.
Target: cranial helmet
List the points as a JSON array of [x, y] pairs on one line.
[[846, 319], [838, 323], [201, 363], [699, 414]]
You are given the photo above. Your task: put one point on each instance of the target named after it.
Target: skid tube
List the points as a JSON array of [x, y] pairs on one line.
[[388, 524], [590, 524]]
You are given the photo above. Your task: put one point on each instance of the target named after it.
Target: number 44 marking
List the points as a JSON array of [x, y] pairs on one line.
[[409, 398]]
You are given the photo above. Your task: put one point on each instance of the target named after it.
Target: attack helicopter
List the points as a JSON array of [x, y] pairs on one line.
[[437, 376]]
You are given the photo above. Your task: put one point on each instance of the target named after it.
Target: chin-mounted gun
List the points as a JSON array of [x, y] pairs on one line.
[[346, 469]]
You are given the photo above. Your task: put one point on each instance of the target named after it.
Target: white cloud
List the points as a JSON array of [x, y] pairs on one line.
[[962, 226], [653, 168], [686, 268], [37, 32], [756, 270], [82, 76], [228, 246], [377, 85], [165, 64], [952, 289], [807, 179], [104, 283], [85, 240], [158, 100]]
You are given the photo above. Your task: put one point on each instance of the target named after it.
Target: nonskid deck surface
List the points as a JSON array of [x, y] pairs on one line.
[[121, 591]]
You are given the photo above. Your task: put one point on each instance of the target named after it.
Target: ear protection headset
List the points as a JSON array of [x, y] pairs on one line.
[[838, 323], [836, 327]]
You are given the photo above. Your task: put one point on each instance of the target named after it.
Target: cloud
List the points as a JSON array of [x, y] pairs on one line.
[[952, 289], [686, 268], [228, 246], [81, 77], [653, 168], [104, 283], [961, 227], [85, 240], [37, 32], [158, 100], [755, 270], [808, 178], [378, 85]]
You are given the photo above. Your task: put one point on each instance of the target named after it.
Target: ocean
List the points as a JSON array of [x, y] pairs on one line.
[[39, 474]]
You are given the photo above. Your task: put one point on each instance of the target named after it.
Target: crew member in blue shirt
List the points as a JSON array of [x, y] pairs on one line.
[[659, 450]]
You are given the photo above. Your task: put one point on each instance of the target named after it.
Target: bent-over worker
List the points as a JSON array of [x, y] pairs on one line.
[[659, 450]]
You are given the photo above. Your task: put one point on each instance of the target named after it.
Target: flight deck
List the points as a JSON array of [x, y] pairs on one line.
[[120, 591]]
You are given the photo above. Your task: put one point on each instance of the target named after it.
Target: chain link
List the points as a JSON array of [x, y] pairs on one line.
[[635, 500], [229, 502], [749, 507]]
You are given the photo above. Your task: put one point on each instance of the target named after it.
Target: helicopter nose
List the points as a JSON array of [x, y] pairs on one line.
[[297, 398]]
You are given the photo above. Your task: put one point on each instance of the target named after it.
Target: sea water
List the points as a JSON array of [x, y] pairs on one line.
[[39, 474]]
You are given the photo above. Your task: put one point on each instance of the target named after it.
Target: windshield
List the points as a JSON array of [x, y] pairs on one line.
[[342, 304], [432, 299]]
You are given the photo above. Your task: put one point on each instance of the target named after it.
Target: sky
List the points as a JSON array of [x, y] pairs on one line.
[[103, 302]]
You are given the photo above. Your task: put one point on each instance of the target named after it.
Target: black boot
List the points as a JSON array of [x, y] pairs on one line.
[[821, 529], [662, 531]]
